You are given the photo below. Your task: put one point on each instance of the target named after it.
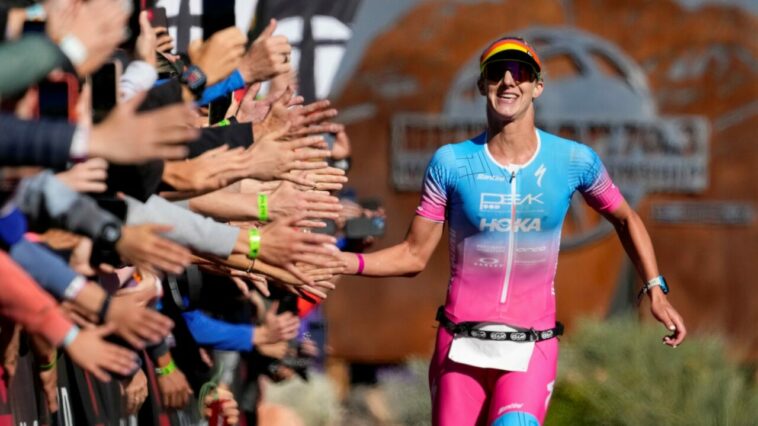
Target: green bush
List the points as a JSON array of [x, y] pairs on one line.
[[407, 394], [617, 372]]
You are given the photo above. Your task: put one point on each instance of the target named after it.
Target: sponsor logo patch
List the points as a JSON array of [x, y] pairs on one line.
[[508, 225], [494, 202], [482, 176]]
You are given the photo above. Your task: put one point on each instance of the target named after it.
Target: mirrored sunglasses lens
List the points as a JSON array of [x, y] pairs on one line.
[[495, 71], [519, 71]]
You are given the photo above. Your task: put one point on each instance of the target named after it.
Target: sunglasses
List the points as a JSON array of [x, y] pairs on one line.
[[520, 71]]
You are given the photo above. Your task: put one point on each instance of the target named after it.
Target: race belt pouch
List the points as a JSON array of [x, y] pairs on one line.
[[493, 345]]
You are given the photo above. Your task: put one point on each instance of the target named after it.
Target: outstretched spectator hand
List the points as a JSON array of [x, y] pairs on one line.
[[212, 170], [267, 57], [276, 327], [252, 110], [303, 120], [219, 55], [317, 276], [239, 277], [325, 178], [272, 157], [99, 25], [93, 354], [142, 246], [128, 137], [288, 200], [324, 273], [284, 245], [134, 321], [88, 176]]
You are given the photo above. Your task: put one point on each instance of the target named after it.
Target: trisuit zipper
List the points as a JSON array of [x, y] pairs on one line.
[[511, 240]]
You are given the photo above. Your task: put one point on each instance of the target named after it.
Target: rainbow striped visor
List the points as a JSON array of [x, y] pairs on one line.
[[512, 48]]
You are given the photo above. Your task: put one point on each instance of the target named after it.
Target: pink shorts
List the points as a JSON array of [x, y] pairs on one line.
[[463, 395]]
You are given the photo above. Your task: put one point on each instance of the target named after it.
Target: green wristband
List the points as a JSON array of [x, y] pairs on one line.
[[223, 123], [165, 371], [254, 235], [52, 364], [263, 207]]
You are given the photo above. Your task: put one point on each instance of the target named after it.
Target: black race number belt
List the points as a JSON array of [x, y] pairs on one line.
[[469, 329]]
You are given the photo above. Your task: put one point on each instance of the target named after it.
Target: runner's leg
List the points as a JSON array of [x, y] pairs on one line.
[[458, 393], [522, 398]]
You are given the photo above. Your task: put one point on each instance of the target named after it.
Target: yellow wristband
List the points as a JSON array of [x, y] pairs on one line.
[[254, 237], [263, 207]]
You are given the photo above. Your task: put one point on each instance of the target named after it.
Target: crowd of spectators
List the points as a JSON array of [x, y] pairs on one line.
[[167, 231]]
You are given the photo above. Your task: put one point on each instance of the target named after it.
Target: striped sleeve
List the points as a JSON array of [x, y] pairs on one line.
[[593, 180]]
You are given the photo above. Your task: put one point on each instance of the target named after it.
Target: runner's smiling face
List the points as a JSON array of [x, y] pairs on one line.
[[510, 87]]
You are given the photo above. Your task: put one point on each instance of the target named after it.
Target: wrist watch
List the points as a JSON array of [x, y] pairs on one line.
[[110, 234], [194, 78], [657, 281]]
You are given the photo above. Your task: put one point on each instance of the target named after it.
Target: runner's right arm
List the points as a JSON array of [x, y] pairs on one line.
[[405, 259], [410, 257]]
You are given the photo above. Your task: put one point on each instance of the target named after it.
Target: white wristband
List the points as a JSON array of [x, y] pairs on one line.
[[654, 282], [79, 143], [74, 49], [73, 289], [70, 336]]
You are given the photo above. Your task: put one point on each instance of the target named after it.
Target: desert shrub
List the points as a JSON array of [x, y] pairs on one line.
[[407, 393], [316, 400], [617, 372]]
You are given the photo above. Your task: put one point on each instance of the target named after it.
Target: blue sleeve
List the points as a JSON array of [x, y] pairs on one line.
[[49, 270], [219, 334], [12, 227], [223, 87]]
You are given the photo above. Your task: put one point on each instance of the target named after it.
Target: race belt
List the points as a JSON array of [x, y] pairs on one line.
[[469, 329]]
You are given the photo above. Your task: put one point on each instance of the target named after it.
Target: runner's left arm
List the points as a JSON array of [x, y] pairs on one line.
[[636, 241], [602, 195]]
